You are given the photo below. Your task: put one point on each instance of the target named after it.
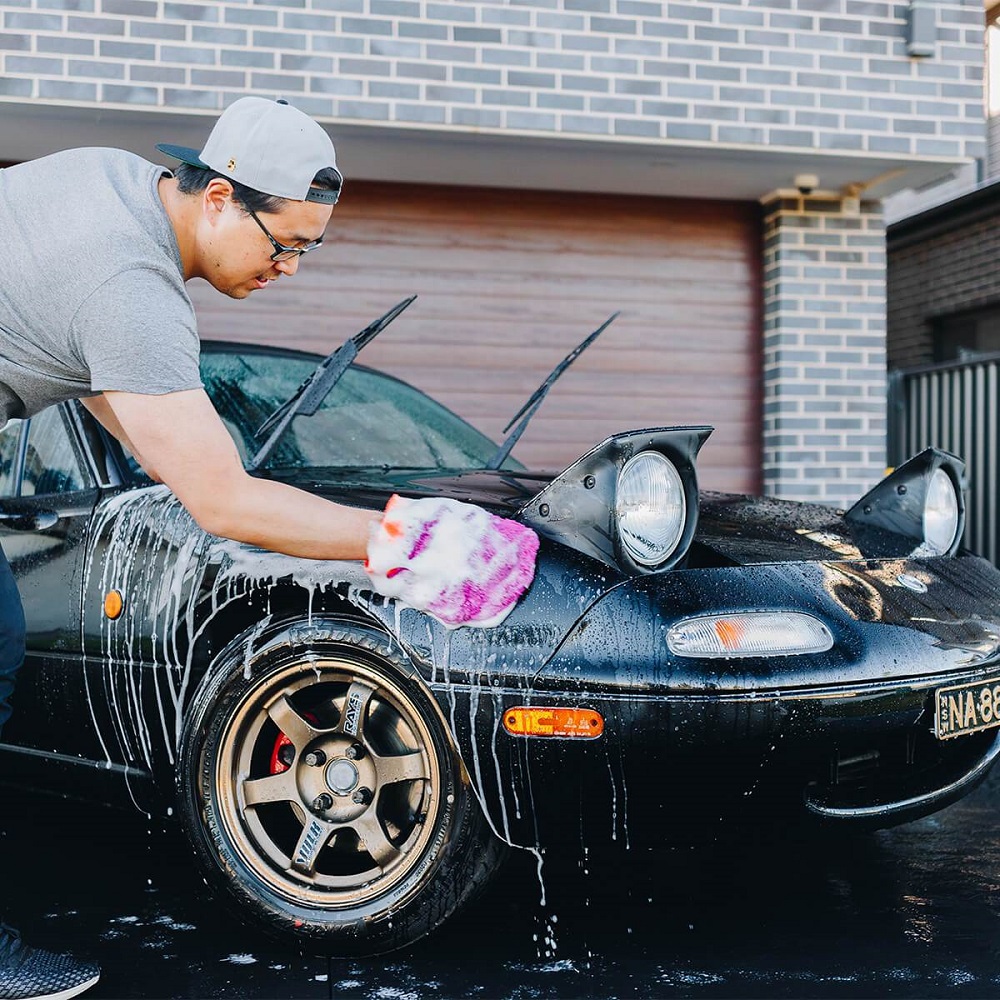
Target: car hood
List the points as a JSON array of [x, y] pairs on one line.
[[742, 530], [500, 491], [733, 530]]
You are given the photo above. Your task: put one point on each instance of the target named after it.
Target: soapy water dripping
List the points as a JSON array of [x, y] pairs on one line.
[[162, 601], [474, 695], [251, 643], [614, 798], [130, 518], [430, 645], [474, 692], [162, 593], [536, 850], [108, 512], [497, 712], [628, 843]]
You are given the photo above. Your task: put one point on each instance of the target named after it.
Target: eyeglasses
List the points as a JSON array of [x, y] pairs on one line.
[[281, 252]]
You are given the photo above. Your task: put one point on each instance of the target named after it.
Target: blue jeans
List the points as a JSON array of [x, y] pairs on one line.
[[11, 637]]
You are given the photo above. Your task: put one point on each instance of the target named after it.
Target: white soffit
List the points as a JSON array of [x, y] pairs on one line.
[[492, 159]]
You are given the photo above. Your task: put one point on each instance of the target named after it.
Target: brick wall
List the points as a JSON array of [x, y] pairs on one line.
[[943, 263], [825, 74], [824, 350]]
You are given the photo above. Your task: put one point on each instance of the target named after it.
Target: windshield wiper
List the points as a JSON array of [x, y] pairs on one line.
[[306, 400], [530, 407]]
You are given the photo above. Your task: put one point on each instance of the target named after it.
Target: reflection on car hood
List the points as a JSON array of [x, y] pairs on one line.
[[732, 529], [745, 530], [501, 491]]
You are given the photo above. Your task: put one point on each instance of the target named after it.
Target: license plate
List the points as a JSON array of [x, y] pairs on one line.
[[966, 708]]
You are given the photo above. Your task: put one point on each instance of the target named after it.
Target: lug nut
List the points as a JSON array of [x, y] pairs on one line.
[[362, 796], [322, 802], [355, 751], [315, 758]]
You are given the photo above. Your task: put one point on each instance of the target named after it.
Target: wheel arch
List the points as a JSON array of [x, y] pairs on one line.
[[287, 632]]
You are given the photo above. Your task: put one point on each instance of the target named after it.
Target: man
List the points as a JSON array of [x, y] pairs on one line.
[[99, 244]]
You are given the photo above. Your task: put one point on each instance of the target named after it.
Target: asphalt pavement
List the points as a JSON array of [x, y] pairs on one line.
[[907, 912]]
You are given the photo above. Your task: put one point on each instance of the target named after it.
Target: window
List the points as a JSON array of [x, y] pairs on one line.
[[368, 421], [10, 435], [50, 461], [967, 336]]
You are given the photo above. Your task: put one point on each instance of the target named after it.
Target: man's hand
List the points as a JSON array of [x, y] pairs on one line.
[[457, 561], [180, 437]]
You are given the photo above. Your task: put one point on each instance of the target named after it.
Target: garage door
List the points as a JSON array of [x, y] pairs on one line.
[[509, 282]]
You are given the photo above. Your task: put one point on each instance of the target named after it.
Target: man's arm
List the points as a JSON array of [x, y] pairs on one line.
[[102, 412], [180, 435]]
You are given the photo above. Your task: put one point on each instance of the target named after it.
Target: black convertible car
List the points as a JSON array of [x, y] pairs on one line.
[[349, 771]]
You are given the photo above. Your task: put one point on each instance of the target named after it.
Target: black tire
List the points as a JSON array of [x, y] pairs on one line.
[[371, 836]]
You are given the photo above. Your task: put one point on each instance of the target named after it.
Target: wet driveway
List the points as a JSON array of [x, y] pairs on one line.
[[907, 912]]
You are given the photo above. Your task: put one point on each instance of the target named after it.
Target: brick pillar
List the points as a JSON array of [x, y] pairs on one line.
[[824, 348]]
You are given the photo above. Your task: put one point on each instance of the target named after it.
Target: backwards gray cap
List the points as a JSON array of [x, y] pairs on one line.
[[268, 146]]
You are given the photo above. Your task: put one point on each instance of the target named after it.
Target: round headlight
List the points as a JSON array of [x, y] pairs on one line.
[[940, 513], [650, 507]]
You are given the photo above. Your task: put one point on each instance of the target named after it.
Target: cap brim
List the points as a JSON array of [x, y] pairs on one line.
[[183, 153]]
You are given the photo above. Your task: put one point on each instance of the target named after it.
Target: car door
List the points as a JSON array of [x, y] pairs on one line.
[[48, 491]]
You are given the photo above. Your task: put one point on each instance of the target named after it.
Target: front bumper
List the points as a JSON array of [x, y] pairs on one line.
[[844, 735]]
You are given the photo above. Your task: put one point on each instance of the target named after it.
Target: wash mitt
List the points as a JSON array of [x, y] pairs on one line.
[[455, 560]]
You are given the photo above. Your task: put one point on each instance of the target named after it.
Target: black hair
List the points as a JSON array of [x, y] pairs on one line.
[[192, 180]]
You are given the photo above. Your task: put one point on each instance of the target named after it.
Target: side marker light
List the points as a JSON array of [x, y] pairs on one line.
[[114, 604], [577, 723]]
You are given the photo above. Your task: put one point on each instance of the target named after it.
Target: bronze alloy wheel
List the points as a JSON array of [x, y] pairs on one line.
[[322, 794], [346, 806]]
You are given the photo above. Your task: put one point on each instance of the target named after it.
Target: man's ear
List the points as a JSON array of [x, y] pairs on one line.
[[217, 195]]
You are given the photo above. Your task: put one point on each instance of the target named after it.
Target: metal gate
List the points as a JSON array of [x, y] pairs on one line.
[[956, 407]]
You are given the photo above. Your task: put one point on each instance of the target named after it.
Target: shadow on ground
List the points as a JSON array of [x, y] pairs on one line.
[[909, 912]]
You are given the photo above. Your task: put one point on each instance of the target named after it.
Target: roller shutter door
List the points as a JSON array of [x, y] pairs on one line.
[[509, 282]]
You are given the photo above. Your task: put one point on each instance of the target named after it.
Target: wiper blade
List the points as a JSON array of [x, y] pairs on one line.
[[306, 400], [531, 406]]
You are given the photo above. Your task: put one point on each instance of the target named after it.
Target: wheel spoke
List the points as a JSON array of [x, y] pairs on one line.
[[404, 767], [374, 839], [312, 840], [273, 788], [287, 718], [352, 720]]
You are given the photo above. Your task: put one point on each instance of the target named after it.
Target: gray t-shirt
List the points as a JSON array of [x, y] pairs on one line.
[[92, 295]]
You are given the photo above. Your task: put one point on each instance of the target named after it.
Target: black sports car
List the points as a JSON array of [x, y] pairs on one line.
[[349, 771]]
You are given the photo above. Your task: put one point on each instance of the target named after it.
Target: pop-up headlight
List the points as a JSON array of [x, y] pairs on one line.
[[631, 502], [921, 500]]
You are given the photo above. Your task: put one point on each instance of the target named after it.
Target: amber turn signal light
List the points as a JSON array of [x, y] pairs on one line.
[[541, 721], [114, 604]]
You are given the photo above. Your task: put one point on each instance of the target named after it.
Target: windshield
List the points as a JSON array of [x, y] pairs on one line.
[[369, 420]]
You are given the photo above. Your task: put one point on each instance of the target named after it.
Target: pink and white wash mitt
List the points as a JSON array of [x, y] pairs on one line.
[[455, 560]]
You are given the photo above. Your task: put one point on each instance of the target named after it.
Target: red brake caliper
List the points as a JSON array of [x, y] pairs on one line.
[[281, 762]]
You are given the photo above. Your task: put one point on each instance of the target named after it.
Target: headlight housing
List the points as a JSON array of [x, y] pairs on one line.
[[921, 501], [650, 508], [631, 502]]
